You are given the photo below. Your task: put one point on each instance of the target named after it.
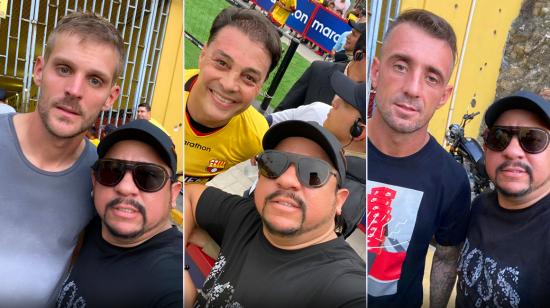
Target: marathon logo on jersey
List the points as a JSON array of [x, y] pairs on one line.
[[215, 165], [196, 145]]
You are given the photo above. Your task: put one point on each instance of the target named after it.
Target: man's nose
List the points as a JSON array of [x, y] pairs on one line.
[[413, 84], [75, 86], [289, 178], [126, 186]]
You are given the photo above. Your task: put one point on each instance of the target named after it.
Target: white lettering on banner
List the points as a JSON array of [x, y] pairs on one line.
[[303, 18], [325, 31]]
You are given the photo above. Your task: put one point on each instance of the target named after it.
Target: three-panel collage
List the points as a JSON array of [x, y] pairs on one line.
[[274, 153]]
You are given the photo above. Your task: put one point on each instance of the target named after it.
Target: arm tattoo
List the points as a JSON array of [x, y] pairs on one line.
[[443, 275]]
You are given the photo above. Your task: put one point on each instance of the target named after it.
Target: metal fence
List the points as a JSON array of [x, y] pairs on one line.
[[24, 31], [381, 14]]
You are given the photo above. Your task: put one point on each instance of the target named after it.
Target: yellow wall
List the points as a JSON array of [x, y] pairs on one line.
[[168, 96], [483, 51]]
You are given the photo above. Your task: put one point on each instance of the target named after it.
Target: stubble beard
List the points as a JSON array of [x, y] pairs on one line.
[[399, 125], [44, 113]]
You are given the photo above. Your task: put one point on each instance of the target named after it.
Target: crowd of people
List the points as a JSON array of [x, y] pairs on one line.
[[93, 228]]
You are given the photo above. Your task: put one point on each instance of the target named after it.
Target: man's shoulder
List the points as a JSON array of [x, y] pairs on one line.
[[252, 120], [327, 66]]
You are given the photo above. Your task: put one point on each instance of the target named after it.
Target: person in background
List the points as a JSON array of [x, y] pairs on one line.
[[144, 112], [4, 107], [281, 10], [358, 29], [314, 84]]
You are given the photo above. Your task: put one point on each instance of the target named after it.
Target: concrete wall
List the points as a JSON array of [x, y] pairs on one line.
[[526, 62]]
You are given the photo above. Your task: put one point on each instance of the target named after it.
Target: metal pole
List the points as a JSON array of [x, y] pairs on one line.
[[294, 43]]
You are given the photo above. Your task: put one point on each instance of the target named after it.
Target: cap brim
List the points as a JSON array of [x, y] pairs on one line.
[[145, 136], [309, 130], [524, 101]]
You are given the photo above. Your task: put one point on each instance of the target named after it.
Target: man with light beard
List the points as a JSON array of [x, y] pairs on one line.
[[416, 191], [46, 160], [131, 255], [502, 260]]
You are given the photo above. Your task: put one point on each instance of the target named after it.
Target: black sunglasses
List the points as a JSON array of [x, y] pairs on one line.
[[312, 172], [147, 177], [532, 140]]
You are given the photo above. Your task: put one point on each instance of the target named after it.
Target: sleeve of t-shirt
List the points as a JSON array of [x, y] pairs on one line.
[[454, 221], [214, 210]]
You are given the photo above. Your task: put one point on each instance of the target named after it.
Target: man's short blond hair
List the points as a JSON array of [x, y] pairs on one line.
[[89, 26]]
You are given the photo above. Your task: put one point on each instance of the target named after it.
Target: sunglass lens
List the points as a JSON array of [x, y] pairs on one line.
[[498, 138], [313, 173], [533, 140], [109, 173], [149, 178], [272, 164]]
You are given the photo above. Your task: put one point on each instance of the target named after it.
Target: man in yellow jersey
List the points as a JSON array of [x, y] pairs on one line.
[[221, 127], [281, 10]]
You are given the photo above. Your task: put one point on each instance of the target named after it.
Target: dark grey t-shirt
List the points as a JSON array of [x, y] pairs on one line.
[[41, 216]]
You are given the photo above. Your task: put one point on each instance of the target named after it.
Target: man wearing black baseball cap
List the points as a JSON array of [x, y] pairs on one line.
[[131, 255], [314, 84], [358, 29], [280, 249], [508, 232]]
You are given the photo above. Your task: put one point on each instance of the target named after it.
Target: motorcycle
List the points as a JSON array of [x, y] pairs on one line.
[[469, 153]]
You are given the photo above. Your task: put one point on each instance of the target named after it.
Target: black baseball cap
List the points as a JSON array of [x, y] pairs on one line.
[[146, 132], [359, 26], [312, 131], [524, 100], [351, 92]]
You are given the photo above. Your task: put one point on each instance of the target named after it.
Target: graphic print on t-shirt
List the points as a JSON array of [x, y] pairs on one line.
[[215, 293], [486, 281], [391, 218]]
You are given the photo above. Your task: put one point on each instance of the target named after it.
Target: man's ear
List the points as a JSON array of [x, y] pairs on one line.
[[341, 196], [202, 55], [446, 94], [115, 91], [38, 70], [375, 69], [175, 189]]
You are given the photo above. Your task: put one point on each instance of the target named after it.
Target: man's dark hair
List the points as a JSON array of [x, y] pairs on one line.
[[432, 24], [361, 43], [146, 106], [89, 26], [252, 23]]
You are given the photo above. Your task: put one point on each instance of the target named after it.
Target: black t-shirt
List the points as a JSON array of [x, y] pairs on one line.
[[410, 200], [353, 210], [148, 275], [250, 272], [504, 261]]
